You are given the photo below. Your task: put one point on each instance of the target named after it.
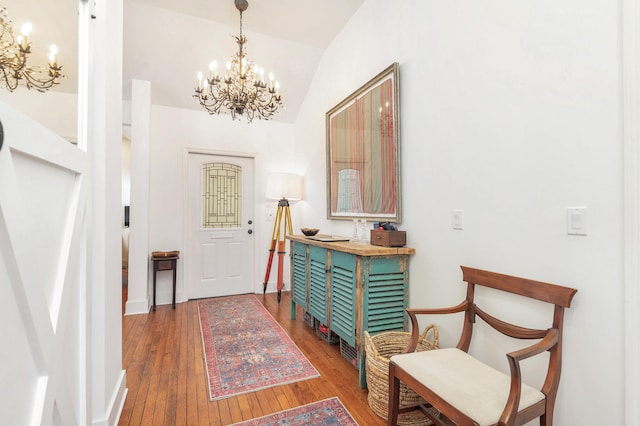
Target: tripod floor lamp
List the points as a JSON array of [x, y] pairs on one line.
[[283, 187]]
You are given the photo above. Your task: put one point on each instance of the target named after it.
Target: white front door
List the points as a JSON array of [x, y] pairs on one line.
[[220, 226]]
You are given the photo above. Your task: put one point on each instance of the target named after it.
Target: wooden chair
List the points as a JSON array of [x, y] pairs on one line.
[[467, 391]]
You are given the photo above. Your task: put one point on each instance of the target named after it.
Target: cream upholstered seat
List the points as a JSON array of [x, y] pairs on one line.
[[468, 392], [477, 390]]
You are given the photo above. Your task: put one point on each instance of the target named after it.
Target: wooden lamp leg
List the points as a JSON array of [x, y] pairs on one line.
[[281, 251], [283, 214], [275, 234]]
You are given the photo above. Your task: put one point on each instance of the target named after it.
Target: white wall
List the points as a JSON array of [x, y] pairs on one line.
[[57, 111], [126, 197], [126, 171], [173, 132], [140, 111], [510, 111], [104, 145]]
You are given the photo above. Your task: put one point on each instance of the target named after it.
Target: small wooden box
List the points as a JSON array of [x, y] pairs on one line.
[[388, 238]]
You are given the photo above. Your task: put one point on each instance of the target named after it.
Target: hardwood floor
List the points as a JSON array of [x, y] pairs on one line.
[[167, 380]]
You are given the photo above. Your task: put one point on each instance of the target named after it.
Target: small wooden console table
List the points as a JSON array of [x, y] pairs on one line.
[[164, 263]]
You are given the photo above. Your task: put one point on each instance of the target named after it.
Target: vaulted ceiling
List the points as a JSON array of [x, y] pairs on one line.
[[167, 42]]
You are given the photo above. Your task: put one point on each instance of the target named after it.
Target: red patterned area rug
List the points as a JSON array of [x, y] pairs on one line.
[[327, 412], [246, 349]]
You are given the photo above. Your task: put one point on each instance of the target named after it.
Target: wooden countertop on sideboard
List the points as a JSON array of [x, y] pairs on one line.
[[360, 249]]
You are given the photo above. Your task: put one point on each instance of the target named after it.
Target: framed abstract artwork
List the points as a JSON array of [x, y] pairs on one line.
[[363, 152]]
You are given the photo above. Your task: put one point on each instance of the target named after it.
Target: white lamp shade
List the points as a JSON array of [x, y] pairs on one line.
[[284, 185]]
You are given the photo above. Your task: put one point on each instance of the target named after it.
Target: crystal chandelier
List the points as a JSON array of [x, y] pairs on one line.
[[14, 52], [242, 90]]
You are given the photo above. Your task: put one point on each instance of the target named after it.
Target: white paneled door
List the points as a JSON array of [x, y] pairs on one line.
[[43, 233], [220, 226]]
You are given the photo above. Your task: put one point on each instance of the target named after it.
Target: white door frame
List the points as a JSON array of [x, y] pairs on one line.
[[630, 18], [185, 207]]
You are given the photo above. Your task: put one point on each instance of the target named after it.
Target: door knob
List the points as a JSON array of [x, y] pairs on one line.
[[250, 231], [250, 222]]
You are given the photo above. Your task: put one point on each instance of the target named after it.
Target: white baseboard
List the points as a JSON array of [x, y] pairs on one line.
[[135, 307], [114, 410]]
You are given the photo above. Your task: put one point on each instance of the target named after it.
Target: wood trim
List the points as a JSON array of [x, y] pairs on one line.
[[358, 249], [550, 293]]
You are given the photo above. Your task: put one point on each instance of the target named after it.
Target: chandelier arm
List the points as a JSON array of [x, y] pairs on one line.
[[14, 53], [39, 84], [10, 82]]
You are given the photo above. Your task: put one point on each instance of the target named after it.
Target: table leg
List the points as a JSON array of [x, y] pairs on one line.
[[155, 269], [175, 267]]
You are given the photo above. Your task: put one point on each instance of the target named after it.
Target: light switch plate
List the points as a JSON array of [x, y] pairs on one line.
[[457, 219], [577, 220]]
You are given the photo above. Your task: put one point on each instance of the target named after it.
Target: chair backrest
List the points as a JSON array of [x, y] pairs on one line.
[[550, 293], [557, 295]]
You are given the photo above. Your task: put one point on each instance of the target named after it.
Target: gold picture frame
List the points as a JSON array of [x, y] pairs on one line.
[[363, 152]]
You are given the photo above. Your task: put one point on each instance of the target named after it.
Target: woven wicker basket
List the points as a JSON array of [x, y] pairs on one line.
[[379, 349]]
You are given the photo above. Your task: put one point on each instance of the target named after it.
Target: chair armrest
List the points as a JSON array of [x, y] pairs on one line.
[[415, 327], [547, 342], [449, 310], [514, 358]]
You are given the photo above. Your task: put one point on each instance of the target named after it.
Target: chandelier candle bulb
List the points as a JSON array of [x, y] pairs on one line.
[[53, 51], [213, 70], [26, 30]]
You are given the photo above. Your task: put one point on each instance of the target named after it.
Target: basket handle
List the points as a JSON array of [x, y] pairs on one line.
[[368, 343], [423, 335]]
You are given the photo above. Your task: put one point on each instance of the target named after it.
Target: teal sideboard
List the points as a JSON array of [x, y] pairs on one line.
[[351, 287]]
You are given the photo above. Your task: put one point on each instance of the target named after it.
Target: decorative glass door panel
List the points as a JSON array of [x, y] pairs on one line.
[[219, 259], [221, 196]]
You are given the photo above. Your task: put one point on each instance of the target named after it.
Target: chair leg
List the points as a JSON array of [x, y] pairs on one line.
[[394, 396], [547, 418]]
